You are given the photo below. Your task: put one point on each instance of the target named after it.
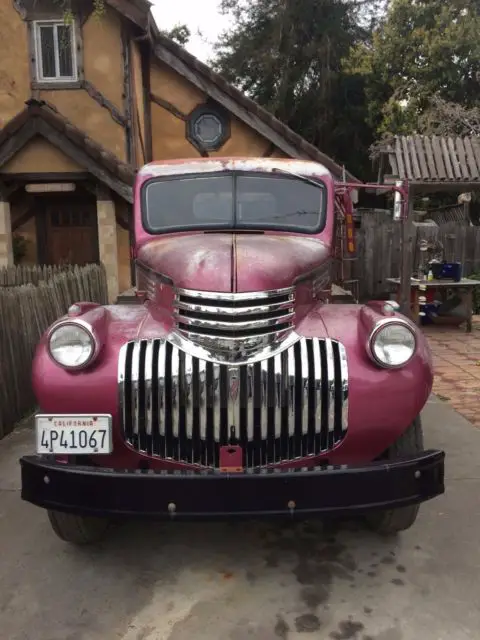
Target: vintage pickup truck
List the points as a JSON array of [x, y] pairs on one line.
[[234, 388]]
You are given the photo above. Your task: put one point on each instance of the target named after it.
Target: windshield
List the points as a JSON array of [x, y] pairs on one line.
[[233, 201]]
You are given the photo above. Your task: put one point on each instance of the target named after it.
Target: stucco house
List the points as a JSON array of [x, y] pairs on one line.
[[83, 104]]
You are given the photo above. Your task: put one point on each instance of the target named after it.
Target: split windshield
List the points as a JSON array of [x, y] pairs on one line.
[[233, 201]]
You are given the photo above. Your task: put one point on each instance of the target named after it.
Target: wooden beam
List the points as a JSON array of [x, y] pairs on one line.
[[133, 13], [122, 223], [17, 141], [147, 104], [127, 98], [25, 217], [82, 158], [168, 106], [98, 96], [6, 191]]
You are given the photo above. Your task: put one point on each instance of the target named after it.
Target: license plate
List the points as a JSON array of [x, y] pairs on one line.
[[74, 434]]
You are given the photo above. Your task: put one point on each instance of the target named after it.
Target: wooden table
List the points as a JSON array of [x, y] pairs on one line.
[[464, 287]]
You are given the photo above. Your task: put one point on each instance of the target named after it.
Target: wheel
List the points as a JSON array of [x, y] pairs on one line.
[[80, 530], [395, 520]]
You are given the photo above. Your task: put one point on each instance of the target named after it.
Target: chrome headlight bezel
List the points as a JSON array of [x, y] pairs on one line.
[[78, 325], [377, 330]]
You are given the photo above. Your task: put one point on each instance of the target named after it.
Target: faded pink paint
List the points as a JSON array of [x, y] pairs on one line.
[[382, 403], [275, 261], [192, 261], [225, 262]]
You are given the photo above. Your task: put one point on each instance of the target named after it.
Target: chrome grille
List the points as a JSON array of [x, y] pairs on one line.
[[175, 405], [234, 315]]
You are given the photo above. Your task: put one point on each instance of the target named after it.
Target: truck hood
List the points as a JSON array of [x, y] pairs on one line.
[[227, 262]]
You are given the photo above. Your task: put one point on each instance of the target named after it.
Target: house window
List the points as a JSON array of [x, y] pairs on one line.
[[208, 128], [55, 51]]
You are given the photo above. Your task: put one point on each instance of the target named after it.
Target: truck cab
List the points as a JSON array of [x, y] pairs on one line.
[[234, 388]]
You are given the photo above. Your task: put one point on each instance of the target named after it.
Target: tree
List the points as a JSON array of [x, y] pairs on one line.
[[180, 33], [422, 49], [291, 57]]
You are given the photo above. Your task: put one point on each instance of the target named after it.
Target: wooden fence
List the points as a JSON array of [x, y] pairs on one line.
[[38, 297], [378, 250]]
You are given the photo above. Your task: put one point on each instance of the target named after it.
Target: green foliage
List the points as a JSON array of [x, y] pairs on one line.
[[68, 13], [343, 73], [19, 248], [292, 56], [422, 49], [180, 33]]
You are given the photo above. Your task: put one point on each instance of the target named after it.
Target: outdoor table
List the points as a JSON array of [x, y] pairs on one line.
[[464, 287]]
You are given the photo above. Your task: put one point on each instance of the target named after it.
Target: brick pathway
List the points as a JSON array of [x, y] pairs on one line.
[[456, 356]]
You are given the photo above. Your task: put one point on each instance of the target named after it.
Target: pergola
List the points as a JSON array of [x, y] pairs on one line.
[[432, 163], [427, 164]]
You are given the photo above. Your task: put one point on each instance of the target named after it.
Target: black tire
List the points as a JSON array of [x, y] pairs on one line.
[[396, 520], [79, 530]]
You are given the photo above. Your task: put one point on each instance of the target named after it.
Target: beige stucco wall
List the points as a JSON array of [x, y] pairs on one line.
[[14, 62], [102, 55], [169, 131], [39, 156], [243, 141], [88, 115], [171, 86], [169, 140]]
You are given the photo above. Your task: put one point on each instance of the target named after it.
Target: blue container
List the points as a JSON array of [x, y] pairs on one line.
[[447, 270], [428, 309]]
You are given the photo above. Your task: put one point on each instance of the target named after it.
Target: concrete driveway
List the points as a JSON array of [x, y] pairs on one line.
[[250, 581]]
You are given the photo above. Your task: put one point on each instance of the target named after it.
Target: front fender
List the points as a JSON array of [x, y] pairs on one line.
[[382, 403], [94, 388]]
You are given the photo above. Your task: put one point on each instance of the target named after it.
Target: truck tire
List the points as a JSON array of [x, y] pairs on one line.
[[79, 530], [396, 520]]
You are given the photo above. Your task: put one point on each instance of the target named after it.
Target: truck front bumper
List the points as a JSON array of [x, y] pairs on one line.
[[211, 494]]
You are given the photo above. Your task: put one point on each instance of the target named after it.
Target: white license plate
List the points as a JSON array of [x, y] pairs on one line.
[[74, 434]]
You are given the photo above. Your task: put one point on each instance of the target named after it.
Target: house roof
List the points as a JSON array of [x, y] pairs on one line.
[[433, 159], [40, 118], [221, 91]]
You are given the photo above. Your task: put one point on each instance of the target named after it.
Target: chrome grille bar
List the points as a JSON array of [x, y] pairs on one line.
[[240, 314], [176, 406]]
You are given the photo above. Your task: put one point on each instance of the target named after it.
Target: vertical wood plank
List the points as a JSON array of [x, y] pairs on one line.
[[452, 154], [413, 158], [438, 154], [472, 164], [406, 159], [446, 159], [421, 157], [31, 298], [462, 158], [401, 167]]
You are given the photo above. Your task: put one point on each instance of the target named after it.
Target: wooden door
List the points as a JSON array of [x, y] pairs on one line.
[[71, 231]]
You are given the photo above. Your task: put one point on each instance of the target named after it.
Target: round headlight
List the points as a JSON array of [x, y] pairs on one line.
[[393, 345], [71, 346]]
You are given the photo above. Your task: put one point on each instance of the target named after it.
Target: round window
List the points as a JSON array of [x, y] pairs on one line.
[[207, 129]]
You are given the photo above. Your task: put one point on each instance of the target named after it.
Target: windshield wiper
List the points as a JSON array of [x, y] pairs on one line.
[[298, 176]]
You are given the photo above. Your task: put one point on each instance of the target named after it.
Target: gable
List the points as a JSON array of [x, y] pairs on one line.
[[39, 152], [39, 120], [217, 89]]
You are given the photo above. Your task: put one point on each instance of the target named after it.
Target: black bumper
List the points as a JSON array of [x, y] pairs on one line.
[[320, 491]]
